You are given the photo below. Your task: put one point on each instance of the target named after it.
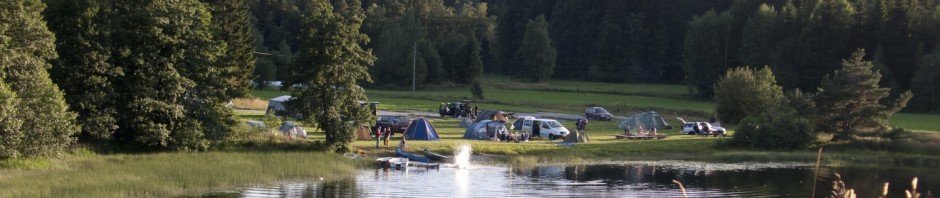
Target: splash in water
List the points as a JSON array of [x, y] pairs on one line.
[[462, 157]]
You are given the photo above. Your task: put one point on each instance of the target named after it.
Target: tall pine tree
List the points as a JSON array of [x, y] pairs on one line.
[[82, 70], [536, 56], [42, 124], [851, 101], [232, 26], [706, 53], [328, 66]]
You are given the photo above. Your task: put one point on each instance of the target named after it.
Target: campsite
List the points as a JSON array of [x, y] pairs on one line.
[[469, 98]]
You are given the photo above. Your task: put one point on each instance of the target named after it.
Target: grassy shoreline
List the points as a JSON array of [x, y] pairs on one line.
[[167, 174]]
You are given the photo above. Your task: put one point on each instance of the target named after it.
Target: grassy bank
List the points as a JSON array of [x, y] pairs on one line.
[[165, 174]]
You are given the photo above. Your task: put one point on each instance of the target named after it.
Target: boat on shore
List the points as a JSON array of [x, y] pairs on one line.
[[392, 162], [411, 157], [437, 157]]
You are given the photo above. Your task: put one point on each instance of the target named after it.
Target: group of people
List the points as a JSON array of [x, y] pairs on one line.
[[382, 133], [640, 132]]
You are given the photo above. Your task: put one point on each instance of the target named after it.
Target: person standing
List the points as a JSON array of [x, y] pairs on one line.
[[378, 136], [387, 134]]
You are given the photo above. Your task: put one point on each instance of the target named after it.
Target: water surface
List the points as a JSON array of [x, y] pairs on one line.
[[614, 179]]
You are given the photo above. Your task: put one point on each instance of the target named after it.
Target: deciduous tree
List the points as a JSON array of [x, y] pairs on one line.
[[744, 92]]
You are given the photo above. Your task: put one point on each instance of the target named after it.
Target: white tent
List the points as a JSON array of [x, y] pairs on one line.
[[276, 105], [292, 129]]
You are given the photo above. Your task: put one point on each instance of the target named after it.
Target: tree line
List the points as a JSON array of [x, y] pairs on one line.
[[148, 75], [638, 41], [695, 42]]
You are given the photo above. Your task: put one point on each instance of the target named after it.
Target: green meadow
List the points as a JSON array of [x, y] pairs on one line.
[[573, 96]]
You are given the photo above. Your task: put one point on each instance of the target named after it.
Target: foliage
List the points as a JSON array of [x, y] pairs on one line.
[[327, 68], [536, 55], [167, 67], [706, 52], [743, 92], [801, 102], [926, 83], [779, 128], [851, 99], [82, 70], [232, 26], [41, 125]]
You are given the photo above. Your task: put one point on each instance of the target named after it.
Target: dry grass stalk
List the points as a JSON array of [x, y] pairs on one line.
[[816, 172], [884, 191], [682, 188], [839, 190], [912, 193]]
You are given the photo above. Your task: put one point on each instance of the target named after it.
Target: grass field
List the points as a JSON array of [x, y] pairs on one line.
[[573, 96]]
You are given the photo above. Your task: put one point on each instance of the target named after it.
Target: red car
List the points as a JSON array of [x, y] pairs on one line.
[[597, 113]]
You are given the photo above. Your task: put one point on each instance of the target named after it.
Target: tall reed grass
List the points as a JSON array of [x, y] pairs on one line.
[[169, 174]]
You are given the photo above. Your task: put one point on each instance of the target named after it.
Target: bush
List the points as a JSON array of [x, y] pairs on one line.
[[477, 90], [746, 92], [781, 128]]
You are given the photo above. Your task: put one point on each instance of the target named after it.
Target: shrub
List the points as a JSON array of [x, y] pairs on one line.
[[477, 90], [744, 92], [780, 128]]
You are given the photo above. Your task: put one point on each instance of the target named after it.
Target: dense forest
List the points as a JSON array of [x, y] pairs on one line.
[[643, 41]]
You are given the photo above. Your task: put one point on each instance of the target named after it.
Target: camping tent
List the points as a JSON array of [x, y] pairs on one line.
[[364, 133], [421, 129], [464, 122], [476, 131], [277, 104], [292, 129], [577, 137], [647, 120], [484, 130], [494, 115]]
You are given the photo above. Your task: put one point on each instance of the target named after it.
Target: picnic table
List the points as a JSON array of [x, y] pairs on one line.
[[640, 137]]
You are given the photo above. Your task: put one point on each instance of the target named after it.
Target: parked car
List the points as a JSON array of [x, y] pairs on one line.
[[456, 109], [597, 113], [688, 128], [547, 128], [397, 123]]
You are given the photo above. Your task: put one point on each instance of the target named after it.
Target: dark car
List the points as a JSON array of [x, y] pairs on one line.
[[397, 123], [456, 109], [597, 113]]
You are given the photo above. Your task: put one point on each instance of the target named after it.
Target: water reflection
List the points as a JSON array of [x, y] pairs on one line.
[[634, 179]]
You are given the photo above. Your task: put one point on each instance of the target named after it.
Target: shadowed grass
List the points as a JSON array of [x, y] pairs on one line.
[[168, 174]]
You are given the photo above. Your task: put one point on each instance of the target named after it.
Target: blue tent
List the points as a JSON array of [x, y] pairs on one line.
[[474, 132], [421, 129]]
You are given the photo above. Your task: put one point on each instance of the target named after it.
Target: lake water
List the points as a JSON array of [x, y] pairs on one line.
[[613, 179]]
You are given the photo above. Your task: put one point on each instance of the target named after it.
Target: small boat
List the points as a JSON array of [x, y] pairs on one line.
[[392, 162], [411, 157], [435, 157]]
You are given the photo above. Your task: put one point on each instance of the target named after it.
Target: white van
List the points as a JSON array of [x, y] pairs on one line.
[[548, 128]]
